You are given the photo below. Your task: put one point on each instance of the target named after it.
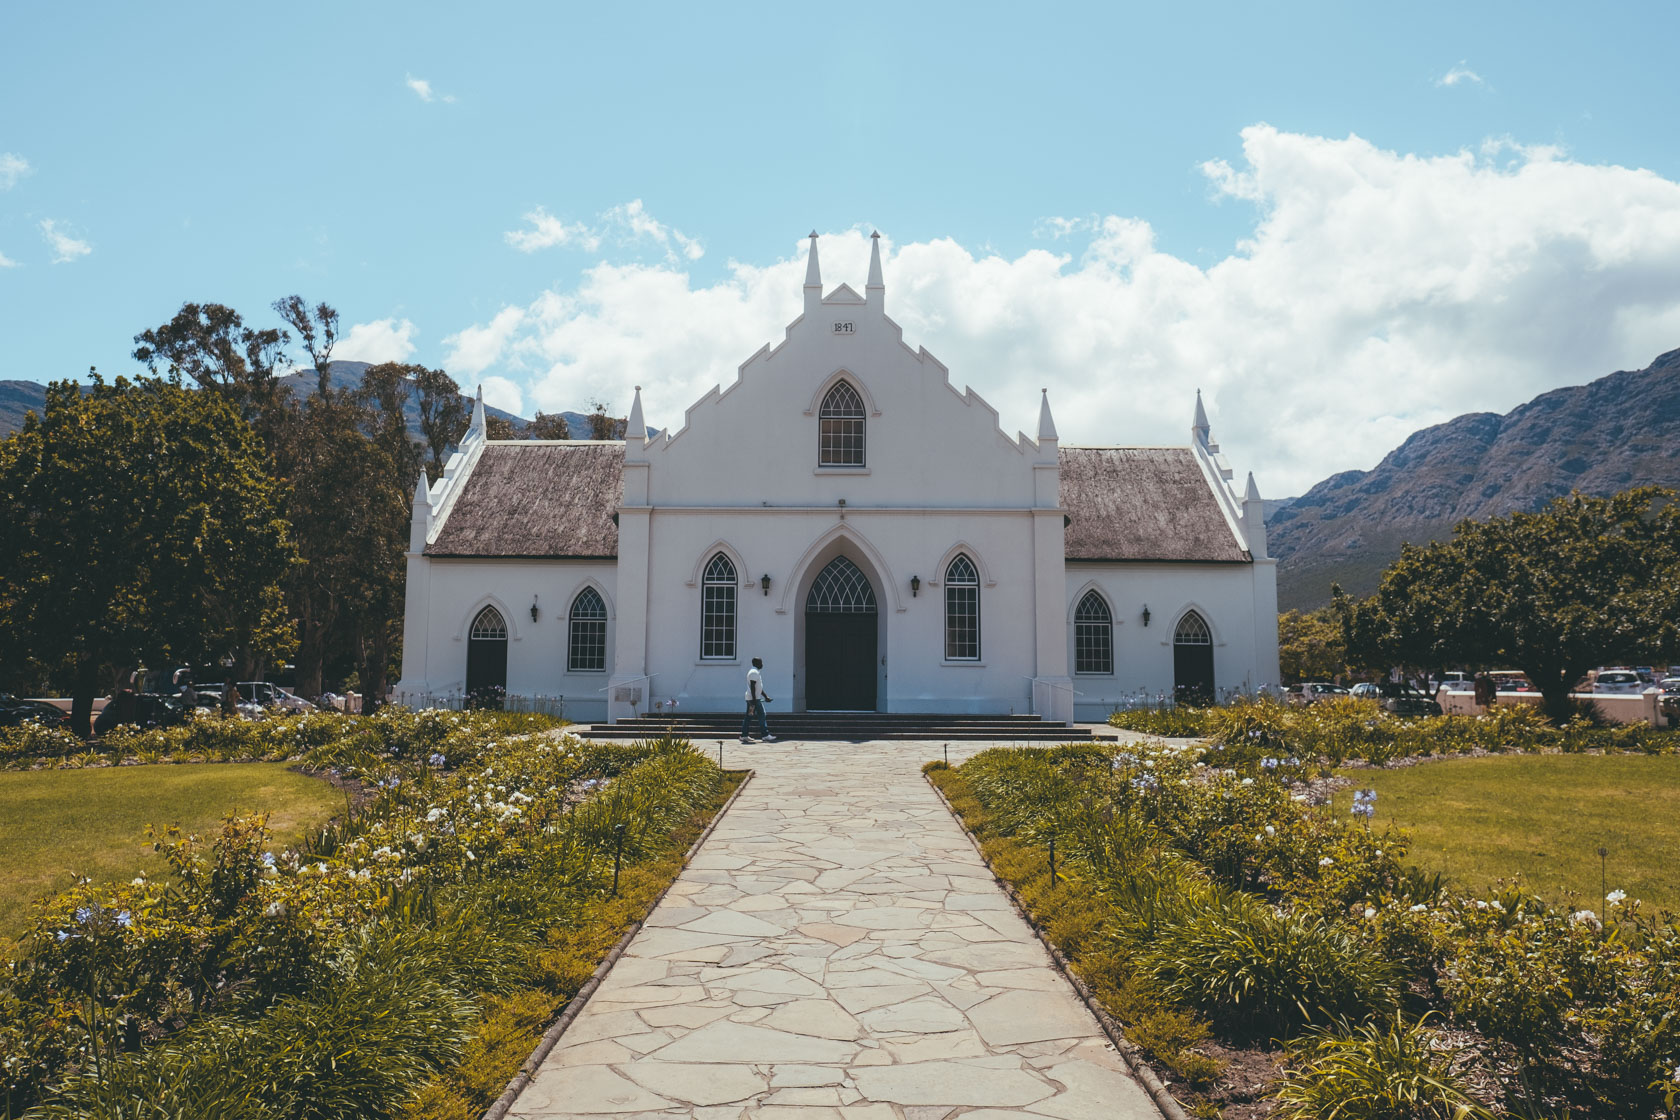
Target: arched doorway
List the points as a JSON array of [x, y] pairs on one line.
[[840, 640], [1193, 660], [487, 645]]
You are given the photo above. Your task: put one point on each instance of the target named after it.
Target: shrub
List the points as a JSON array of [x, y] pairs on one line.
[[1266, 974], [1378, 1071]]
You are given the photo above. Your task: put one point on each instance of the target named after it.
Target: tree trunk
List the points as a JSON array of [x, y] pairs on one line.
[[311, 655], [375, 651], [81, 699]]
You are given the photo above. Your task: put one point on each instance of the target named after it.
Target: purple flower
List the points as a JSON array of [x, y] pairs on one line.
[[124, 919]]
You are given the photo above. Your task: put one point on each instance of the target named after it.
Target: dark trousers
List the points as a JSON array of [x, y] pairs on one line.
[[754, 707]]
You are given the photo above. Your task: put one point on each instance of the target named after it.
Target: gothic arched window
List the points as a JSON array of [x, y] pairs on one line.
[[962, 610], [586, 652], [717, 610], [840, 424], [1093, 636]]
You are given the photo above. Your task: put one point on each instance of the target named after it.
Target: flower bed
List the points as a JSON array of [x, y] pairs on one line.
[[1282, 961], [401, 963], [1348, 728]]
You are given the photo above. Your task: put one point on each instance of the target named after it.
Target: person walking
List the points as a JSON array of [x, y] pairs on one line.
[[755, 704]]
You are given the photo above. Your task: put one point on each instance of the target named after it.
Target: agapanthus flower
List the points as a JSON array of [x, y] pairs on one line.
[[1616, 897]]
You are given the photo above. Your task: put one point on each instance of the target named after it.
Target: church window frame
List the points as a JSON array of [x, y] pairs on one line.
[[1192, 630], [719, 602], [488, 625], [586, 644], [842, 427], [962, 609], [1093, 636]]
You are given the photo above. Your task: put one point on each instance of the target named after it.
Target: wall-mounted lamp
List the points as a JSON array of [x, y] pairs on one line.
[[1146, 614], [764, 582], [915, 585], [533, 608]]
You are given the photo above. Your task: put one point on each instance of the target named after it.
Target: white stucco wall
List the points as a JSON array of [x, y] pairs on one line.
[[457, 589]]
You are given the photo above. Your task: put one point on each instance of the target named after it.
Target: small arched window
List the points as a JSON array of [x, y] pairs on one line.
[[717, 610], [586, 652], [489, 624], [840, 424], [962, 610], [1093, 636]]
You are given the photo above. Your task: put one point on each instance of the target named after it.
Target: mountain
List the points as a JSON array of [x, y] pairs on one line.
[[1620, 431]]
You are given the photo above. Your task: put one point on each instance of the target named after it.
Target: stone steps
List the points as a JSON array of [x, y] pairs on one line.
[[853, 727]]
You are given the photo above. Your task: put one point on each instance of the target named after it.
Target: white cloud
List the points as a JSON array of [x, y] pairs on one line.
[[65, 248], [12, 168], [506, 395], [476, 349], [1377, 292], [423, 89], [7, 262], [1459, 73], [383, 340], [627, 224]]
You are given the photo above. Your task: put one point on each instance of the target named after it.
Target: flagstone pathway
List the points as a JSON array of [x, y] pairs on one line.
[[835, 951]]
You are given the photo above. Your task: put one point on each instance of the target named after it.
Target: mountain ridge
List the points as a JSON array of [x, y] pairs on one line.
[[1618, 431]]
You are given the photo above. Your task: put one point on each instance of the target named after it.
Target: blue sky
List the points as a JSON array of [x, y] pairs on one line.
[[611, 181]]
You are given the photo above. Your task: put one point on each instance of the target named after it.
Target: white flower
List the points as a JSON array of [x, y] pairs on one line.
[[1326, 862], [137, 882], [437, 815], [1419, 908], [1497, 905], [1379, 853], [275, 910], [1480, 905], [1271, 830], [1616, 897], [1586, 918], [1248, 781], [1370, 913]]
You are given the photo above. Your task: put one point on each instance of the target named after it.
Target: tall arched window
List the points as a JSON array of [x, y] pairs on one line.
[[962, 610], [841, 426], [586, 652], [717, 610], [1093, 636]]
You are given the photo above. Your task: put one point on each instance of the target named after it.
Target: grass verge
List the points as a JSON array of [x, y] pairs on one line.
[[1540, 818], [59, 824]]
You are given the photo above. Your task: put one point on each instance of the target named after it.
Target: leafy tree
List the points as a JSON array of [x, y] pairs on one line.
[[138, 522], [602, 423], [1310, 645], [443, 415], [548, 425], [317, 329], [499, 427], [211, 344], [1585, 582]]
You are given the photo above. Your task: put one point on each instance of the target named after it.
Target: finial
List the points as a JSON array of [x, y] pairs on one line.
[[635, 428], [813, 279], [875, 292], [1046, 425], [1251, 493], [1199, 427]]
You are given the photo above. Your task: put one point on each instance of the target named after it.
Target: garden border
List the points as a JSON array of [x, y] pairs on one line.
[[1158, 1091], [499, 1109]]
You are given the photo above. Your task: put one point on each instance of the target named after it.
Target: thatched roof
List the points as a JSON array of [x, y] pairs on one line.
[[537, 499], [1142, 503], [556, 500]]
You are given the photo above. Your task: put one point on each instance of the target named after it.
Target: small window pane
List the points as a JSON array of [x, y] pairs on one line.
[[841, 428], [717, 610], [1192, 631], [587, 649], [489, 624]]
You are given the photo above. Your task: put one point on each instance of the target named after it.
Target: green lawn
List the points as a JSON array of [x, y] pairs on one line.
[[57, 823], [1541, 817]]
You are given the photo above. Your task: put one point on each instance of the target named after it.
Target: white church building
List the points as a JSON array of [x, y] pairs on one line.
[[847, 514]]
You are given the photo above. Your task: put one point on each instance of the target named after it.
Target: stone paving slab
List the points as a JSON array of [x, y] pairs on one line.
[[835, 951]]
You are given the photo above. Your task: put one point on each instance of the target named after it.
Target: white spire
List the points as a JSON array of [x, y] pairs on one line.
[[1199, 428], [1046, 425], [477, 425], [1251, 493], [875, 292], [420, 521], [636, 426], [813, 279]]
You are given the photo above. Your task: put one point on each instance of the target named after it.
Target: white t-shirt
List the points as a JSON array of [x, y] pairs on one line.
[[755, 684]]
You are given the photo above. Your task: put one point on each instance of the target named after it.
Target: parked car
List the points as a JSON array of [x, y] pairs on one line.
[[1409, 703], [1511, 680], [1365, 690], [145, 709], [270, 695], [1618, 680], [1454, 682], [1311, 692], [1670, 686], [14, 712]]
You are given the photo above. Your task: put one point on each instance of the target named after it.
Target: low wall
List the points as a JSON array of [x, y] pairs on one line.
[[1615, 707]]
